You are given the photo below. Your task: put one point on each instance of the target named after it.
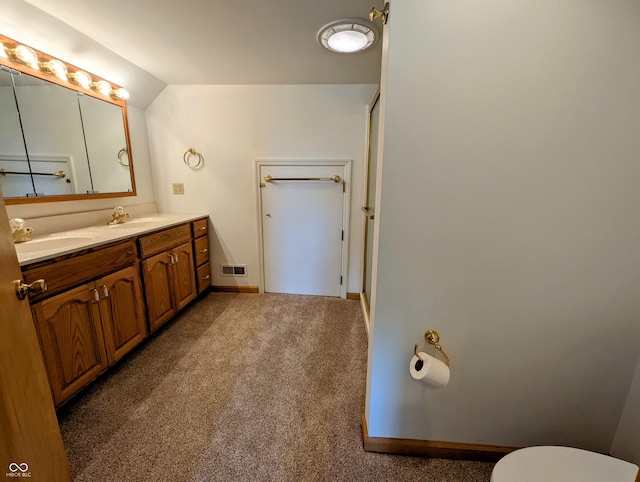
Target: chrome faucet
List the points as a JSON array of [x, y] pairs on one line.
[[118, 216]]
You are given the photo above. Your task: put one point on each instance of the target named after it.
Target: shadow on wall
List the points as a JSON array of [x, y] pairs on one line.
[[219, 256]]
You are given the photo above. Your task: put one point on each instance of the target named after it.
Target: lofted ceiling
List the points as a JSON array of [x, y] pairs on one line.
[[160, 42]]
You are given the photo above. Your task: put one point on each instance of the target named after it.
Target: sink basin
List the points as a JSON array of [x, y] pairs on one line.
[[57, 242], [138, 223]]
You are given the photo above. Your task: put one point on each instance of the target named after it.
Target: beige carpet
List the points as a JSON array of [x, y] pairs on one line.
[[241, 387]]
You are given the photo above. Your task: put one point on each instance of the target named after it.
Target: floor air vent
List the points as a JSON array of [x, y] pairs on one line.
[[234, 270]]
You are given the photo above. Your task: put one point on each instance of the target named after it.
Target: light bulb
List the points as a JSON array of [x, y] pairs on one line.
[[102, 86], [26, 55], [80, 77], [55, 67], [121, 93], [347, 41]]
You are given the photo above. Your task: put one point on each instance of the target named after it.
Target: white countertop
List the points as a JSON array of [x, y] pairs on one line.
[[49, 246]]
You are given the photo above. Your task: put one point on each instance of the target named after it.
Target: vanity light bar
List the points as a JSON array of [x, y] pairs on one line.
[[28, 56]]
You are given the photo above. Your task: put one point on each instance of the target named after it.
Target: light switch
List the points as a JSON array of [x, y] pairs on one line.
[[178, 188]]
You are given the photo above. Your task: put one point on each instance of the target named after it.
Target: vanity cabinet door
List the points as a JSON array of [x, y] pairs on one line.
[[71, 340], [170, 283], [184, 279], [122, 312], [156, 272]]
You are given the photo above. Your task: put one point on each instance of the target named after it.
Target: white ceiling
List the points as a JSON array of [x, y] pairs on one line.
[[194, 41]]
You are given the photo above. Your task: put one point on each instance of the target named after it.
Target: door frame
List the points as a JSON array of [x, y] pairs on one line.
[[365, 302], [345, 166]]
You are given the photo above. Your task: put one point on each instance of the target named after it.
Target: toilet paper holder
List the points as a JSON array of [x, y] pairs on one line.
[[432, 338]]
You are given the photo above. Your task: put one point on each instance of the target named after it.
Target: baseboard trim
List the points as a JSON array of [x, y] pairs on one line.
[[433, 448], [353, 296], [236, 289]]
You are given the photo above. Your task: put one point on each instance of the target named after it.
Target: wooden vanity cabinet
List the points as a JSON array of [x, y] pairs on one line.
[[93, 312], [169, 275], [86, 329], [201, 254]]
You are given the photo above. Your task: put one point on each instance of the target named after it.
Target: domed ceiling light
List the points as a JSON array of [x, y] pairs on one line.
[[348, 35]]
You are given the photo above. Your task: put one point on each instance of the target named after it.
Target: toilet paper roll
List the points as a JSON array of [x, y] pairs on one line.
[[431, 371]]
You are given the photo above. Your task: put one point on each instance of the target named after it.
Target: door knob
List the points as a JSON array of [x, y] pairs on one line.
[[268, 215], [383, 14], [22, 288]]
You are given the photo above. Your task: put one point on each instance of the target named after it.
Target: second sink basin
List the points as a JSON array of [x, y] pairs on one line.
[[138, 223]]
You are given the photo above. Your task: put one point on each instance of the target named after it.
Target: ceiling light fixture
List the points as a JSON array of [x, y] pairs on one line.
[[347, 35]]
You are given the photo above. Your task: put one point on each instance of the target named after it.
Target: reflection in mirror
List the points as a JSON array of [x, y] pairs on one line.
[[105, 137], [13, 157], [52, 130]]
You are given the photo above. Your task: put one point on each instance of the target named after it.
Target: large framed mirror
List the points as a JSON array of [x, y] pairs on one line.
[[62, 137]]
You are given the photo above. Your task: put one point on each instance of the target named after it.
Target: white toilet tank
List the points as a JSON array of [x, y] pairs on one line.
[[561, 464]]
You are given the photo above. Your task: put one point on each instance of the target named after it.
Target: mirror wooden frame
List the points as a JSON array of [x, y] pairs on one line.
[[27, 69]]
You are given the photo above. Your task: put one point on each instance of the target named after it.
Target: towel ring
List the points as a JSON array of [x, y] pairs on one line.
[[121, 153], [192, 152]]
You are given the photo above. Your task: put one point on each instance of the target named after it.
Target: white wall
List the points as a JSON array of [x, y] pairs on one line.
[[233, 125], [626, 444], [509, 221], [142, 171]]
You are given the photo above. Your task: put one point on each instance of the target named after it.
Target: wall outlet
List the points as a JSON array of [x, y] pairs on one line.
[[178, 188]]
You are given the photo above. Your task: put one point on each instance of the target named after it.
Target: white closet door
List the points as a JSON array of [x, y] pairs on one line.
[[302, 230]]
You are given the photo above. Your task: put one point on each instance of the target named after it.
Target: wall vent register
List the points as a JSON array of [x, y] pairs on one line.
[[234, 269]]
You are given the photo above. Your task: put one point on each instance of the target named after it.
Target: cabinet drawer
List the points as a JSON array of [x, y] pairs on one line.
[[204, 277], [164, 240], [201, 249], [200, 227], [78, 268]]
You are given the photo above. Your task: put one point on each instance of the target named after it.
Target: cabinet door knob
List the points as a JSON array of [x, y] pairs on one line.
[[96, 296], [105, 291], [22, 288], [204, 250], [206, 277]]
